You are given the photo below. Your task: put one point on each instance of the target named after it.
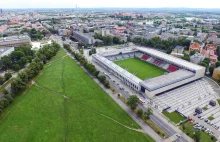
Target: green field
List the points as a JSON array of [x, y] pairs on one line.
[[173, 116], [142, 69], [43, 115]]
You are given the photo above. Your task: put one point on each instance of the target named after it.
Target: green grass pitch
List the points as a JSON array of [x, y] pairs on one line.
[[41, 116], [140, 68]]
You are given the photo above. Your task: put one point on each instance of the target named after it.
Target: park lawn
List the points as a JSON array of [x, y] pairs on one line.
[[190, 132], [44, 116], [140, 68], [173, 116], [36, 115]]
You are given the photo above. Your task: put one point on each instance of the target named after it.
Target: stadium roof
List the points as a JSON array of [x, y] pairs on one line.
[[118, 69], [14, 38], [172, 59], [167, 79]]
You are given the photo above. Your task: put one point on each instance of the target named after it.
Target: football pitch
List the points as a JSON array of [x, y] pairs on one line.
[[140, 68]]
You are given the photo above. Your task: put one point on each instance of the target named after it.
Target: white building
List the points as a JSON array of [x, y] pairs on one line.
[[15, 41], [81, 37]]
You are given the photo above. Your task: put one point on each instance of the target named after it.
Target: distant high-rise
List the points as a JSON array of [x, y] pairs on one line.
[[0, 10]]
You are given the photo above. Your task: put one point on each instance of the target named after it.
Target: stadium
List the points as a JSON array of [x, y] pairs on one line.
[[168, 82], [150, 71]]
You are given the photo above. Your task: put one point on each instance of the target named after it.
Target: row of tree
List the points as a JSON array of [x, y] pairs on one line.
[[23, 78], [103, 80], [17, 59], [6, 100], [90, 67], [43, 54], [158, 43], [133, 103]]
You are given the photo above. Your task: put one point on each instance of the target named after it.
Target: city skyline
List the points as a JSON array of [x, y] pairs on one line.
[[105, 4]]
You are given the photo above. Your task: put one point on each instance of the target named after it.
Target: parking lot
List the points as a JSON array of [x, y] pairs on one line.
[[208, 120]]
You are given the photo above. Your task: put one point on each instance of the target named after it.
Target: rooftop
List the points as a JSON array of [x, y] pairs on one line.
[[13, 38], [167, 79], [195, 45]]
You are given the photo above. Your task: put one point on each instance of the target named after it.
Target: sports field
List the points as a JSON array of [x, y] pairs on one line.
[[66, 105], [140, 68]]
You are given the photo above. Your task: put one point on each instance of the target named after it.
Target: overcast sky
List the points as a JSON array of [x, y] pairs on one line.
[[108, 3]]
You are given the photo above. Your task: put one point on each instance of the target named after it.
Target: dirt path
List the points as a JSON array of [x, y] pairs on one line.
[[89, 108]]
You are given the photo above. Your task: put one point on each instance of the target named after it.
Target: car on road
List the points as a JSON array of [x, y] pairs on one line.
[[206, 120], [199, 116], [177, 135]]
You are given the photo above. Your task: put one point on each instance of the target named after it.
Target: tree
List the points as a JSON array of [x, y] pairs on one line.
[[146, 115], [9, 98], [108, 40], [17, 85], [192, 52], [2, 80], [16, 67], [63, 38], [140, 113], [23, 76], [197, 136], [7, 76], [4, 102], [217, 64], [16, 56], [116, 40], [211, 70], [133, 102], [107, 85], [6, 62], [90, 53]]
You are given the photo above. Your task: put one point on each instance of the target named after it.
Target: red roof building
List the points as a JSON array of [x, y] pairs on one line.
[[195, 46], [209, 52]]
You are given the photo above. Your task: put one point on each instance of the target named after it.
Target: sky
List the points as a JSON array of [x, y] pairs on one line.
[[109, 3]]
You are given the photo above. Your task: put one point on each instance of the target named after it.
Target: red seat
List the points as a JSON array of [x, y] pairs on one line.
[[145, 57], [172, 68]]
